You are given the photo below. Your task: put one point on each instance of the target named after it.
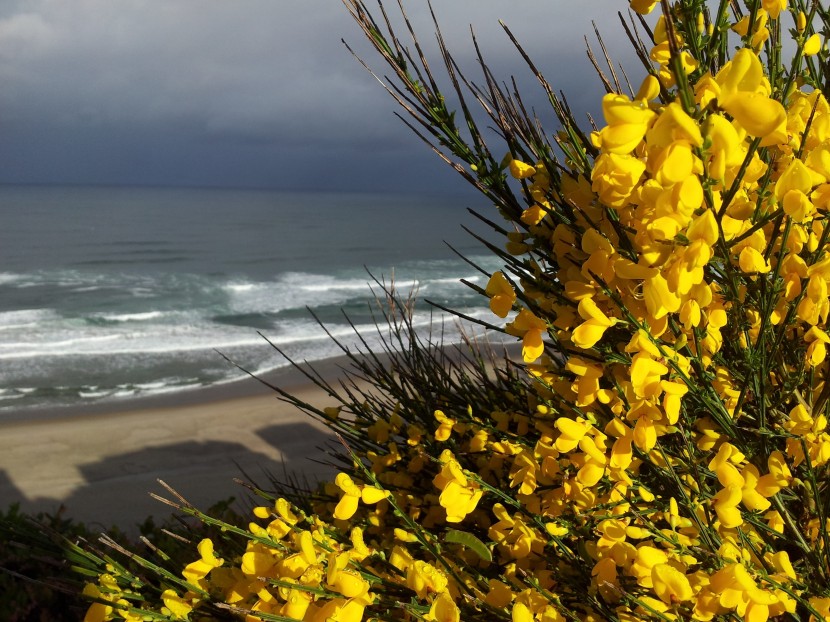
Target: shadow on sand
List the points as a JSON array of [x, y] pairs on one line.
[[202, 472]]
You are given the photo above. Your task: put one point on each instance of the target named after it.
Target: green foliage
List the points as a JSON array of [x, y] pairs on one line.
[[44, 558], [33, 573]]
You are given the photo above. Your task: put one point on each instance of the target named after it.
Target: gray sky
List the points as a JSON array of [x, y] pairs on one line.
[[256, 93]]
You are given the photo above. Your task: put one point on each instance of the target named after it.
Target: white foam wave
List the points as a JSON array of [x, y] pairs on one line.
[[443, 329], [241, 287], [457, 280], [164, 385], [94, 394], [298, 332], [294, 290], [25, 318], [131, 317], [172, 323], [199, 336], [152, 345], [78, 343], [298, 290], [141, 292], [327, 287], [168, 385], [354, 285], [10, 277], [160, 384]]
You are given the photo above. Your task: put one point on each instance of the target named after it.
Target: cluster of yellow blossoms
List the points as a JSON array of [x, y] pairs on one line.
[[667, 457], [688, 301]]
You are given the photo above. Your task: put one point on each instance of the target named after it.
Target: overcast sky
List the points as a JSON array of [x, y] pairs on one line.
[[246, 93]]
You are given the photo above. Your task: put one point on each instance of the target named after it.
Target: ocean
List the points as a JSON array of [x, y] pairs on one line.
[[108, 294]]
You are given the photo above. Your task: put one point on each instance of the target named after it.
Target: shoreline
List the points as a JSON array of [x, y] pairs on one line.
[[287, 377], [99, 464]]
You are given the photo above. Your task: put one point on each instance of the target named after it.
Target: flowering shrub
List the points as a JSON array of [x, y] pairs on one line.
[[663, 453]]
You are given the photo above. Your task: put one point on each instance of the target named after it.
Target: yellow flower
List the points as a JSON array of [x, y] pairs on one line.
[[352, 495], [627, 124], [97, 612], [534, 214], [817, 350], [621, 452], [531, 328], [296, 604], [782, 564], [812, 46], [674, 126], [643, 7], [425, 578], [614, 177], [341, 610], [444, 430], [646, 374], [672, 399], [499, 594], [822, 605], [347, 582], [744, 94], [779, 475], [660, 299], [523, 473], [520, 170], [514, 536], [739, 591], [521, 613], [726, 146], [443, 609], [649, 89], [670, 585], [774, 7], [752, 499], [571, 432], [797, 205], [178, 606], [198, 570], [741, 27], [647, 557], [795, 177], [258, 561], [591, 463], [348, 503], [752, 261], [459, 496], [587, 383], [502, 296], [592, 329], [556, 530]]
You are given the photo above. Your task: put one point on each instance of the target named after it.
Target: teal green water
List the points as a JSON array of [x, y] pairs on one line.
[[112, 293]]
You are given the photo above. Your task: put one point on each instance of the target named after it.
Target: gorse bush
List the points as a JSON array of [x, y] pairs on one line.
[[662, 452]]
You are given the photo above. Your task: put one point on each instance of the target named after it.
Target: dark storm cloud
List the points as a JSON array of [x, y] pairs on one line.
[[249, 92]]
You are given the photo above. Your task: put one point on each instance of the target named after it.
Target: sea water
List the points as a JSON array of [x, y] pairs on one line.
[[114, 293]]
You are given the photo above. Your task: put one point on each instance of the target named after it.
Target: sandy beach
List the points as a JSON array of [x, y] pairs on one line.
[[101, 464]]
